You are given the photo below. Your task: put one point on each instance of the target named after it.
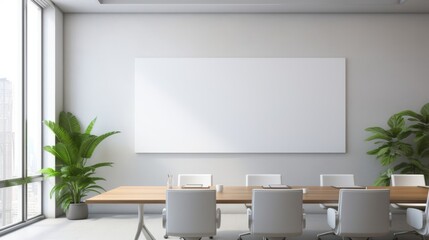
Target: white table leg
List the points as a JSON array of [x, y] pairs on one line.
[[141, 228]]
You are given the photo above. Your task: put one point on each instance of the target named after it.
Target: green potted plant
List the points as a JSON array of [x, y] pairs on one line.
[[74, 173], [403, 147]]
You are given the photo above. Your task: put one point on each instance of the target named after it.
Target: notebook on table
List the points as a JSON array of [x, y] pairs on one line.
[[349, 187], [276, 186], [195, 186]]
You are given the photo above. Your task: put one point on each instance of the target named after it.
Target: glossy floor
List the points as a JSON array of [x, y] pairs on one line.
[[118, 227]]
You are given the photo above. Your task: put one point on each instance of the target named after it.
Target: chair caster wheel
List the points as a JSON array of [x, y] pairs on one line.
[[165, 236], [239, 238], [211, 237]]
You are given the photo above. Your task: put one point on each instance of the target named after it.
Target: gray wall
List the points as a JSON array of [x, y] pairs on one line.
[[387, 71]]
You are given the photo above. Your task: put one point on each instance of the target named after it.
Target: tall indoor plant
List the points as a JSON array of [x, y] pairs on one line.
[[403, 147], [75, 175]]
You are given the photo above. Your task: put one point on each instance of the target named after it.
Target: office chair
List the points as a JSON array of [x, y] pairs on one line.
[[204, 179], [183, 179], [408, 180], [260, 180], [418, 220], [191, 213], [361, 214], [345, 180], [263, 179], [276, 214]]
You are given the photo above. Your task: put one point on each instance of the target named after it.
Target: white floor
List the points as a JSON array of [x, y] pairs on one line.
[[118, 227]]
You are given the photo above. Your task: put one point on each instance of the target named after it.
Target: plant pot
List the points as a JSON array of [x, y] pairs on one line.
[[77, 211]]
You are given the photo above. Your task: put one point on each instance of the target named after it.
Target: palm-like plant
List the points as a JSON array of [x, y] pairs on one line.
[[76, 178], [405, 141]]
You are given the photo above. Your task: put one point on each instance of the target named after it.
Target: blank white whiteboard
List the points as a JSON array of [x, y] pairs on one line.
[[240, 105]]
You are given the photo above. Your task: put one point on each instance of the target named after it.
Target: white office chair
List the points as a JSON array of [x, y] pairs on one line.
[[263, 179], [361, 214], [183, 179], [276, 214], [417, 219], [408, 180], [345, 180], [260, 180], [191, 214], [204, 179]]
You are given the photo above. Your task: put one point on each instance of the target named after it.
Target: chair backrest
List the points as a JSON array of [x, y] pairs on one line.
[[337, 180], [191, 213], [204, 179], [277, 213], [407, 180], [363, 213], [427, 211], [263, 179]]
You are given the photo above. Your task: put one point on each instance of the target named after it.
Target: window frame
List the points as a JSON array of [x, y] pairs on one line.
[[24, 180]]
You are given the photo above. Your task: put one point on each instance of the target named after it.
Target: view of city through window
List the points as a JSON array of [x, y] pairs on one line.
[[20, 120]]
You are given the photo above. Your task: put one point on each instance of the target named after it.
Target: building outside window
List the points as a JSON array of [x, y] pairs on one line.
[[20, 112]]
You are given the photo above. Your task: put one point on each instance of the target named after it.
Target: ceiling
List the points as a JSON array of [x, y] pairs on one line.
[[243, 6]]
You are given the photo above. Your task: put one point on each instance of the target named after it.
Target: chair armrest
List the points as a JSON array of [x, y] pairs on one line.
[[416, 218], [164, 218], [332, 218], [304, 221], [390, 219], [249, 217], [218, 217]]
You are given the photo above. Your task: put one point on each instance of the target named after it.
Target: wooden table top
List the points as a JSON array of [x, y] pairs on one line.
[[242, 194]]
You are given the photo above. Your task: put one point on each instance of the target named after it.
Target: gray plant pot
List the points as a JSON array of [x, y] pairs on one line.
[[77, 211]]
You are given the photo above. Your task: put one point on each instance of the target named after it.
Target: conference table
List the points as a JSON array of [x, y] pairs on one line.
[[141, 195]]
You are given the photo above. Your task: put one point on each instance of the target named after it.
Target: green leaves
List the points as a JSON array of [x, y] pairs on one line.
[[425, 112], [391, 147], [90, 126], [60, 133], [50, 172], [396, 122], [90, 143], [420, 128], [72, 150], [67, 154], [69, 122], [397, 130], [384, 178], [406, 140]]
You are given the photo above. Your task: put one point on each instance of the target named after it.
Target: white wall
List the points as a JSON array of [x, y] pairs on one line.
[[387, 71]]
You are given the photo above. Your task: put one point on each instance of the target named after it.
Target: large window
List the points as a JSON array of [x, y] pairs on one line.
[[20, 112]]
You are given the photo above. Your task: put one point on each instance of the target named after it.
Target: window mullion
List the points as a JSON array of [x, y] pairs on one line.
[[24, 113]]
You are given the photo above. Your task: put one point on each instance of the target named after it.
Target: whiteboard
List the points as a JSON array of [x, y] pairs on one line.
[[240, 105]]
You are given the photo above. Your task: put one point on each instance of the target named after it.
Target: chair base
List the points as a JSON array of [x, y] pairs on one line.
[[166, 236], [343, 238], [320, 235], [242, 235], [395, 235], [263, 238]]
